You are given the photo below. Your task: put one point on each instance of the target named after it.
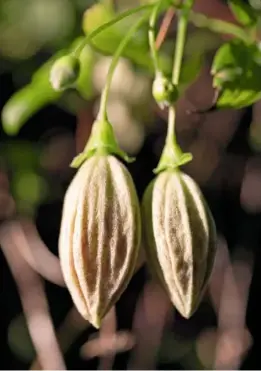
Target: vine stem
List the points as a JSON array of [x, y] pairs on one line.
[[197, 19], [115, 20], [152, 34], [105, 94], [178, 56], [219, 26], [102, 139], [172, 155], [164, 28]]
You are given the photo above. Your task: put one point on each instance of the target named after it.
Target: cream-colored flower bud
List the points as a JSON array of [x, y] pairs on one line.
[[100, 235], [180, 238]]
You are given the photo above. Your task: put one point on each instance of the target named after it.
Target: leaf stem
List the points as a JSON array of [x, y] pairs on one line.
[[180, 41], [218, 26], [172, 156], [105, 94], [178, 56], [102, 139], [152, 34], [164, 27]]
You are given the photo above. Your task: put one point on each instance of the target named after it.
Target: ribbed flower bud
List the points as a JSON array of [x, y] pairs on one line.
[[180, 238], [100, 235]]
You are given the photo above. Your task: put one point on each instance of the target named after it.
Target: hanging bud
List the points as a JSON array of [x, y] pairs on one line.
[[164, 91], [65, 72], [100, 235], [180, 238]]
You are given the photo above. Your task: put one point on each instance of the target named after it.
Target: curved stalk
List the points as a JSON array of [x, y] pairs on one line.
[[103, 27], [172, 155], [152, 34], [105, 94]]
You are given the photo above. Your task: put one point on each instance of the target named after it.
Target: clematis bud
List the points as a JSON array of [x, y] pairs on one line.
[[100, 235]]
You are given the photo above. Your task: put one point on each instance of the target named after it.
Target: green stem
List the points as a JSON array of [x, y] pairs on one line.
[[152, 34], [103, 27], [178, 56], [105, 94], [180, 41], [172, 156], [171, 135], [218, 26], [198, 20], [102, 139]]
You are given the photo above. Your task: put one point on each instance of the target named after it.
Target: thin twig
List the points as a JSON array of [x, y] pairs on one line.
[[36, 253], [33, 299], [73, 325], [234, 338], [153, 311], [229, 289], [164, 28], [108, 329]]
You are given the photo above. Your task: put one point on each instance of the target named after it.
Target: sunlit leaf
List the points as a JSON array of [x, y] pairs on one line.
[[24, 103], [236, 73], [243, 12], [30, 99]]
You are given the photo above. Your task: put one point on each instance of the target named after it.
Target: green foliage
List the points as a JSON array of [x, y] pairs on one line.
[[107, 42], [24, 104], [236, 73], [243, 12], [236, 66], [39, 92]]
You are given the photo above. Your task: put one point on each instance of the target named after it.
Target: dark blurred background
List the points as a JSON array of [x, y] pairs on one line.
[[34, 174]]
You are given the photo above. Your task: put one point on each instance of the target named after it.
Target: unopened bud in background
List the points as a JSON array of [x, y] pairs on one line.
[[64, 72]]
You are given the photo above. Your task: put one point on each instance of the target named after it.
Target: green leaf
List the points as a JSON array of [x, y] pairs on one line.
[[24, 103], [236, 71], [27, 101], [243, 12]]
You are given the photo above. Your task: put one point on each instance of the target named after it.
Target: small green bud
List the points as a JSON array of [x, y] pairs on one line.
[[64, 72], [164, 91]]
